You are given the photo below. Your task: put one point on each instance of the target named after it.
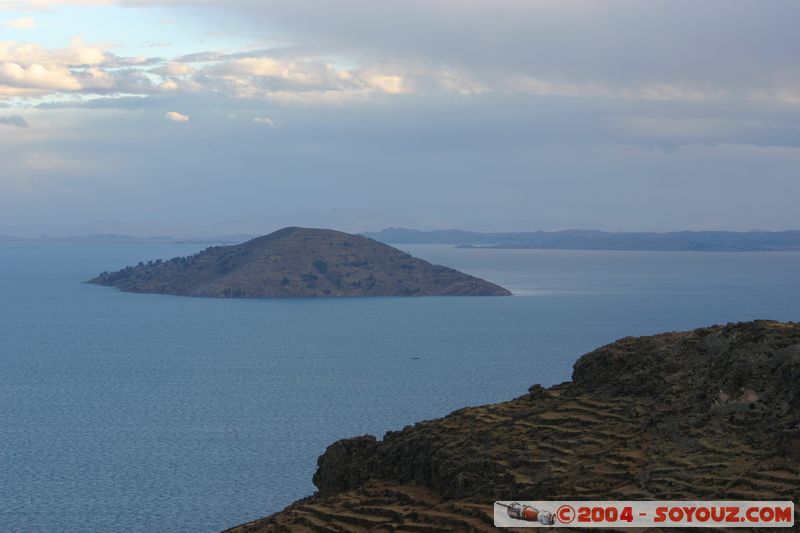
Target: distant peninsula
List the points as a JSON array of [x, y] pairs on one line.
[[298, 263], [577, 239]]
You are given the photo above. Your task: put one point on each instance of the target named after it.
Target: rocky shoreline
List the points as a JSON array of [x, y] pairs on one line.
[[712, 413]]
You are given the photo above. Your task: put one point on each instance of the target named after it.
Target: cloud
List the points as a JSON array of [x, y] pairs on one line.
[[578, 109], [36, 78], [174, 68], [14, 120], [615, 43], [265, 121], [24, 23], [46, 5], [169, 85], [620, 44], [76, 54], [349, 52], [391, 84], [174, 116], [28, 69], [127, 103]]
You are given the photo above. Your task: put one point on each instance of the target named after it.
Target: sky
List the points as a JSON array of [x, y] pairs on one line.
[[198, 117]]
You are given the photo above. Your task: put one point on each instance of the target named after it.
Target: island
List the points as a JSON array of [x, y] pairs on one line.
[[712, 413], [298, 263]]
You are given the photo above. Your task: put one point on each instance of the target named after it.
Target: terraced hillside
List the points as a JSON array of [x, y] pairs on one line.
[[299, 263], [708, 414]]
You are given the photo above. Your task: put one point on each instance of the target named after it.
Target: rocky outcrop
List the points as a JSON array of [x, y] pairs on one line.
[[708, 414], [298, 263]]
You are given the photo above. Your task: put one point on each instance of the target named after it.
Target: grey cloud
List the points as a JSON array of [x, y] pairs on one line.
[[130, 103], [619, 49], [14, 120], [624, 114], [655, 49], [724, 48], [115, 81], [201, 57], [503, 159], [280, 52], [729, 45], [116, 61]]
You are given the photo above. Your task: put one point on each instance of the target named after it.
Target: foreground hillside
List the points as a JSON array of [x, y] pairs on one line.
[[711, 413], [299, 262]]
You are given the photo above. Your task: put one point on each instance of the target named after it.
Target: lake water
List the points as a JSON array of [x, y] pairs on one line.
[[156, 413]]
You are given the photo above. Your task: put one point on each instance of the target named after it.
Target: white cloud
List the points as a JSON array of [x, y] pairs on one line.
[[458, 82], [252, 66], [174, 116], [24, 23], [36, 78], [27, 69], [175, 68], [94, 78], [390, 84], [265, 121], [169, 85], [76, 54]]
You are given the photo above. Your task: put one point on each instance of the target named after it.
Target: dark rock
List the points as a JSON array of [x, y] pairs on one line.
[[343, 465]]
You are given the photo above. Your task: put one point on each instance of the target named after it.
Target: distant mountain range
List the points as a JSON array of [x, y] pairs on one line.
[[106, 238], [706, 241]]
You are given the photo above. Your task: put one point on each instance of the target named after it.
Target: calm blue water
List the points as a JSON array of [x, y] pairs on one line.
[[157, 413]]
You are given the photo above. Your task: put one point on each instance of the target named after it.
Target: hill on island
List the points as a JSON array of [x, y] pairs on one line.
[[707, 414], [298, 262]]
